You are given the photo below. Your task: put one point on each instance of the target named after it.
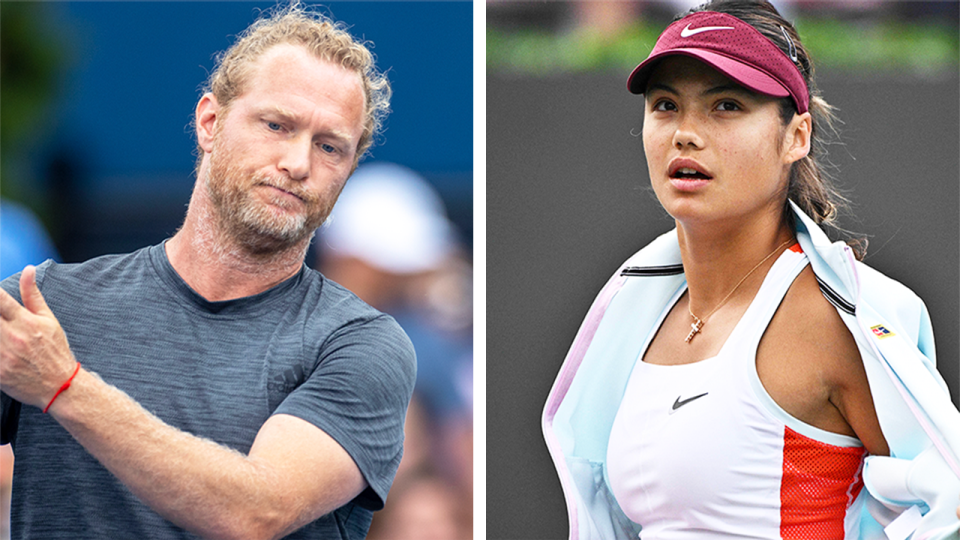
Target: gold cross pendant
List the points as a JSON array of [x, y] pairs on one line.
[[694, 328]]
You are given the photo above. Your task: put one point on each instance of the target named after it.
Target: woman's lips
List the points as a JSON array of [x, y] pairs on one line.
[[688, 175], [689, 184]]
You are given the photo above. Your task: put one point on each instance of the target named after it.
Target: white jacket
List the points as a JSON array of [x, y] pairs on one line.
[[914, 493]]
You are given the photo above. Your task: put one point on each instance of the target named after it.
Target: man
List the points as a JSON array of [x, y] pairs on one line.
[[212, 385]]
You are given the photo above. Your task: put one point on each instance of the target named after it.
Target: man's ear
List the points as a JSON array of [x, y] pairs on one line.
[[208, 109], [798, 138]]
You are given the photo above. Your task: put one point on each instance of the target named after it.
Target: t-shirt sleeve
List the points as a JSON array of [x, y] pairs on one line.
[[12, 285], [358, 394]]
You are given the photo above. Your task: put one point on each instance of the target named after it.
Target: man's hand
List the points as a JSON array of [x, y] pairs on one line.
[[294, 474], [35, 358]]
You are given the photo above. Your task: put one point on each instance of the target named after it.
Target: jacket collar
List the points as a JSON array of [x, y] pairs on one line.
[[832, 262]]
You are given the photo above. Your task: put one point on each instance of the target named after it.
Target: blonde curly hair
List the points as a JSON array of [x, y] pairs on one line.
[[323, 37]]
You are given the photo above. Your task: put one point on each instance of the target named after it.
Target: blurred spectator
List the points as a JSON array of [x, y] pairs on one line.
[[423, 506], [390, 242], [23, 239]]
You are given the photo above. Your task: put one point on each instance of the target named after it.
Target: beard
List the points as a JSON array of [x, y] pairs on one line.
[[262, 225]]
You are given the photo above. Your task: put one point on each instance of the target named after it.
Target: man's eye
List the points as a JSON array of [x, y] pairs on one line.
[[273, 126], [328, 148]]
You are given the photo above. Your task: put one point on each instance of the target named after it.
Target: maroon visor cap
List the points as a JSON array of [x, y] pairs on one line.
[[732, 47]]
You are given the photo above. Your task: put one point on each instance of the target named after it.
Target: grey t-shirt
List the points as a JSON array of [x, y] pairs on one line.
[[307, 348]]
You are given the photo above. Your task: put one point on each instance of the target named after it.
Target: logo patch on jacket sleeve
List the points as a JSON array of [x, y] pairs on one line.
[[881, 332]]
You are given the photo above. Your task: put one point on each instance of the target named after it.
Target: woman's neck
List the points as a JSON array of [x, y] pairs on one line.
[[717, 258]]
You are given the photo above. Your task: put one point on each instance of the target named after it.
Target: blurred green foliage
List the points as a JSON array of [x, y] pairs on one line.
[[30, 64], [925, 46]]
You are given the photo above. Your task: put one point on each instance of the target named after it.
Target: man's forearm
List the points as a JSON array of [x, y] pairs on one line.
[[197, 484], [295, 472]]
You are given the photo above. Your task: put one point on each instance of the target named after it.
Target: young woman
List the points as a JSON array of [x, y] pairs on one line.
[[741, 376]]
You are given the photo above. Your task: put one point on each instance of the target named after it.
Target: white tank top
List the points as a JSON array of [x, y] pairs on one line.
[[700, 451]]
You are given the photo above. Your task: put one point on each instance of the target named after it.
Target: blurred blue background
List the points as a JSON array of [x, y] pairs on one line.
[[98, 100]]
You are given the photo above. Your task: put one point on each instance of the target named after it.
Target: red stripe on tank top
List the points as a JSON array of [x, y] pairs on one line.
[[820, 482]]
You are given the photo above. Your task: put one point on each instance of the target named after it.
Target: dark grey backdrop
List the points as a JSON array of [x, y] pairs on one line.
[[568, 200]]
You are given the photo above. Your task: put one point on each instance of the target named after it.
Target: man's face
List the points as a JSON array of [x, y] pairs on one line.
[[284, 149]]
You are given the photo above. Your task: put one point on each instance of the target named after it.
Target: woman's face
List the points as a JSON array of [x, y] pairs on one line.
[[716, 151]]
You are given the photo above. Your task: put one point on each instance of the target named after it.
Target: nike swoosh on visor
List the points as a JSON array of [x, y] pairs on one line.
[[687, 32]]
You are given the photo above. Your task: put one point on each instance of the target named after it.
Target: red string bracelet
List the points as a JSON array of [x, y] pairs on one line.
[[62, 388]]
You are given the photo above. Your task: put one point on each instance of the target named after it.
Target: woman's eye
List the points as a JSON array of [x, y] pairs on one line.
[[664, 106], [728, 106]]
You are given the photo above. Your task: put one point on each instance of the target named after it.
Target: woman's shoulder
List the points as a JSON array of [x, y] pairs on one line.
[[813, 318], [856, 286], [809, 361]]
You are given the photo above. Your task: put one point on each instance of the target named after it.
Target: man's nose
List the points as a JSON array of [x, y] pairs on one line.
[[295, 160]]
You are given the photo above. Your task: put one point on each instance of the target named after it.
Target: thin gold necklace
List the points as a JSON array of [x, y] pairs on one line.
[[698, 323]]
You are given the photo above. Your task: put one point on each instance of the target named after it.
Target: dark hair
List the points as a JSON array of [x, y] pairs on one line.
[[810, 186]]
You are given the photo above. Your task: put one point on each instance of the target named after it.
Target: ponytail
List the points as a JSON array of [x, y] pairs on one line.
[[810, 186]]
